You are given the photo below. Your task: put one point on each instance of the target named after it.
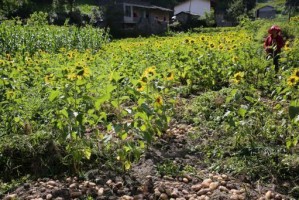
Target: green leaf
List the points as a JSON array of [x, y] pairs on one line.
[[250, 99], [124, 136], [114, 103], [53, 95], [101, 100], [64, 113], [141, 144], [127, 165], [87, 153], [17, 119], [242, 112], [294, 109]]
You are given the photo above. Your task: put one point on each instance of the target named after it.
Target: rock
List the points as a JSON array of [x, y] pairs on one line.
[[73, 186], [64, 193], [234, 197], [119, 185], [26, 186], [49, 197], [268, 195], [278, 197], [52, 183], [185, 192], [109, 182], [223, 189], [157, 192], [203, 191], [203, 197], [168, 191], [188, 177], [185, 180], [42, 189], [213, 186], [11, 197], [161, 188], [68, 179], [181, 198], [91, 184], [175, 193], [224, 176], [163, 196], [206, 183], [76, 194], [196, 187], [138, 197], [100, 191]]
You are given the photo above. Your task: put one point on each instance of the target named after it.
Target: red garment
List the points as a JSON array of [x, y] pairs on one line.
[[271, 42]]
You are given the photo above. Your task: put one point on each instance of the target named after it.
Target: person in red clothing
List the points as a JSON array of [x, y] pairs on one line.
[[273, 44]]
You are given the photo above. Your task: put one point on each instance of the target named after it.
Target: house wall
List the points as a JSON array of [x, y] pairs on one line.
[[160, 15], [195, 7]]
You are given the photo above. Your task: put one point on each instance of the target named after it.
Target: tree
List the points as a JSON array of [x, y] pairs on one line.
[[291, 6], [10, 8]]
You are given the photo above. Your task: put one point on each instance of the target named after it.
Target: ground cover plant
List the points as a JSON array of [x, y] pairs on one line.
[[108, 102]]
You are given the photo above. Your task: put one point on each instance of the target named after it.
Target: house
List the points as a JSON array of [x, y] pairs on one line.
[[266, 12], [185, 10], [135, 17]]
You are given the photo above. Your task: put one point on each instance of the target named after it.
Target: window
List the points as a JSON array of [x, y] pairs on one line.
[[128, 11]]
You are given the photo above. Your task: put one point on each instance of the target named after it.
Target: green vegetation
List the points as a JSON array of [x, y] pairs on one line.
[[71, 93]]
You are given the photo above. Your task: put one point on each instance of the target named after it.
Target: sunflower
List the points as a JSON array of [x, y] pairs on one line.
[[159, 101], [211, 45], [149, 72], [238, 77], [293, 80], [8, 57], [69, 55], [143, 79], [170, 76], [82, 71], [296, 73], [140, 87], [235, 59], [49, 78]]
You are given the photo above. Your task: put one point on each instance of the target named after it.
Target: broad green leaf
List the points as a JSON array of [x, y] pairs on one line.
[[64, 113], [53, 95], [141, 144], [250, 99], [101, 100], [87, 153], [124, 136], [242, 112]]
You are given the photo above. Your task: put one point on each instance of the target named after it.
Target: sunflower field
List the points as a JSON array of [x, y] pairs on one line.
[[96, 99]]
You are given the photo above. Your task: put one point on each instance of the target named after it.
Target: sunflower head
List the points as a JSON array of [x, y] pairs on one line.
[[170, 76], [238, 77], [235, 59], [140, 87], [49, 78], [149, 72], [296, 73], [158, 101], [293, 80]]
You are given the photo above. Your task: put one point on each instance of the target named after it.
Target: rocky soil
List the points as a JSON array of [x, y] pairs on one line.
[[145, 182]]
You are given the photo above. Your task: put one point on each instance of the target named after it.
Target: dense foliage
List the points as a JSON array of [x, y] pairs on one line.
[[67, 92]]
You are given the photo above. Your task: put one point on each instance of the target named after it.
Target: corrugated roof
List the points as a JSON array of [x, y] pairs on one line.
[[149, 7]]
